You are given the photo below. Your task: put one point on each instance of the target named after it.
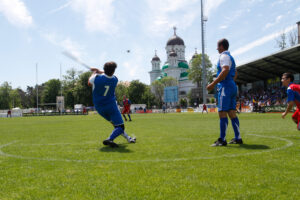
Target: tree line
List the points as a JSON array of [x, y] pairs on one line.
[[75, 89]]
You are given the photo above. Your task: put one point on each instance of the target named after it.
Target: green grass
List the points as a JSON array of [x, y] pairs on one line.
[[63, 158]]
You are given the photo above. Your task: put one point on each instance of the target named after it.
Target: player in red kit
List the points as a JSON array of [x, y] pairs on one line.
[[126, 108], [204, 108], [293, 97]]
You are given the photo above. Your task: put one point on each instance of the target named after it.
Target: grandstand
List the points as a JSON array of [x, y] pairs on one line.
[[268, 70], [259, 81]]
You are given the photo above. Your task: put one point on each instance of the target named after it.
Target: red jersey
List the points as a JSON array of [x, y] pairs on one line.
[[126, 103], [293, 93]]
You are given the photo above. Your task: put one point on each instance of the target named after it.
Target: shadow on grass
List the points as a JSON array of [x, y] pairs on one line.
[[250, 146], [121, 149]]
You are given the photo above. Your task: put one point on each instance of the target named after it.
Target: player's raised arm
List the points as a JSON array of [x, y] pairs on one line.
[[96, 70], [93, 76]]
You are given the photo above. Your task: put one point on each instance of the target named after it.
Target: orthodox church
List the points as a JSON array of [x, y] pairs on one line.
[[176, 66]]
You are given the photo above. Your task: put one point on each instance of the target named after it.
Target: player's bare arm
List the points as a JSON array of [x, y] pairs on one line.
[[96, 70], [288, 109], [235, 76], [222, 76]]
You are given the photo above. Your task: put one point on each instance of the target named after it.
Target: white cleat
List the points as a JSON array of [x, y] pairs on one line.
[[132, 140]]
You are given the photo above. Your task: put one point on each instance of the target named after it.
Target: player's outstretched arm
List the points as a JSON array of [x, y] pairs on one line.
[[289, 107], [96, 70]]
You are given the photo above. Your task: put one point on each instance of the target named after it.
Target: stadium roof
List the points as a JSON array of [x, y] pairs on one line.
[[271, 66]]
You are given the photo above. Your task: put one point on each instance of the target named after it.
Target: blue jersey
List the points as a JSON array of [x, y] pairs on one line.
[[227, 89], [227, 59], [103, 89]]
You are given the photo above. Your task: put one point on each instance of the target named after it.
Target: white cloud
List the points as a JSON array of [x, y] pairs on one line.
[[66, 43], [223, 27], [60, 7], [211, 5], [277, 20], [160, 16], [260, 41], [16, 12], [297, 10], [98, 14]]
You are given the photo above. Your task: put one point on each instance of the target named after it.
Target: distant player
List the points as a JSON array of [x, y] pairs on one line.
[[104, 99], [204, 108], [227, 92], [126, 108], [293, 97], [9, 113]]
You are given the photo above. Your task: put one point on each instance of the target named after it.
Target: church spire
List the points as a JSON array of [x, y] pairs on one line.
[[174, 27]]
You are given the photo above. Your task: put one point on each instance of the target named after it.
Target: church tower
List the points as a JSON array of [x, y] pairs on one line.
[[156, 72]]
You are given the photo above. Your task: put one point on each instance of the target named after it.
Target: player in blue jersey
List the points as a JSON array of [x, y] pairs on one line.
[[227, 91], [104, 84]]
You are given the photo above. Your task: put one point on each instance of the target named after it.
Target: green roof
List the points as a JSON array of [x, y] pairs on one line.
[[184, 74], [183, 65], [165, 66]]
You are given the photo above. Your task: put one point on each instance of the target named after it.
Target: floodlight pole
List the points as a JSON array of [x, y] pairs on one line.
[[37, 89], [60, 91], [203, 57]]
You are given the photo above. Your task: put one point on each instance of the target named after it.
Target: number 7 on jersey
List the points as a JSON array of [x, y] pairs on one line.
[[106, 90]]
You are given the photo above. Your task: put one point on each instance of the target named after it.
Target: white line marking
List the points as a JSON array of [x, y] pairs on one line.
[[289, 143]]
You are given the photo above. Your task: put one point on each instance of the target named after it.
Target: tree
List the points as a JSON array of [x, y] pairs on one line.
[[5, 101], [149, 98], [15, 97], [281, 41], [83, 92], [169, 81], [158, 87], [136, 90], [51, 91], [158, 90], [121, 90], [69, 82], [183, 103], [293, 38], [195, 72]]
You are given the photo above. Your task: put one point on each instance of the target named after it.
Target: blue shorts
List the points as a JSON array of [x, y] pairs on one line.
[[227, 98], [111, 113]]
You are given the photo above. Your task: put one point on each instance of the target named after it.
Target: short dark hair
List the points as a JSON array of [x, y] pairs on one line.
[[289, 75], [224, 42], [109, 68]]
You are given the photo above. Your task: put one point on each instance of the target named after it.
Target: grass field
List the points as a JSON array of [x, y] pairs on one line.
[[63, 158]]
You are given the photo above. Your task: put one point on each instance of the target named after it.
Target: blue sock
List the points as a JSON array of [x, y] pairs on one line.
[[223, 127], [116, 132], [129, 117], [236, 127]]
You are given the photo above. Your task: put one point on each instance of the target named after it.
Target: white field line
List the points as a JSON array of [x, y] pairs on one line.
[[287, 145]]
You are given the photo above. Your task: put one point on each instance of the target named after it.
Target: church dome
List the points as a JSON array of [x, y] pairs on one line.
[[155, 58], [175, 40], [195, 54]]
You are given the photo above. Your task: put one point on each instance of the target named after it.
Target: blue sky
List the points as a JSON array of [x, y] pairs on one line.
[[35, 31]]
